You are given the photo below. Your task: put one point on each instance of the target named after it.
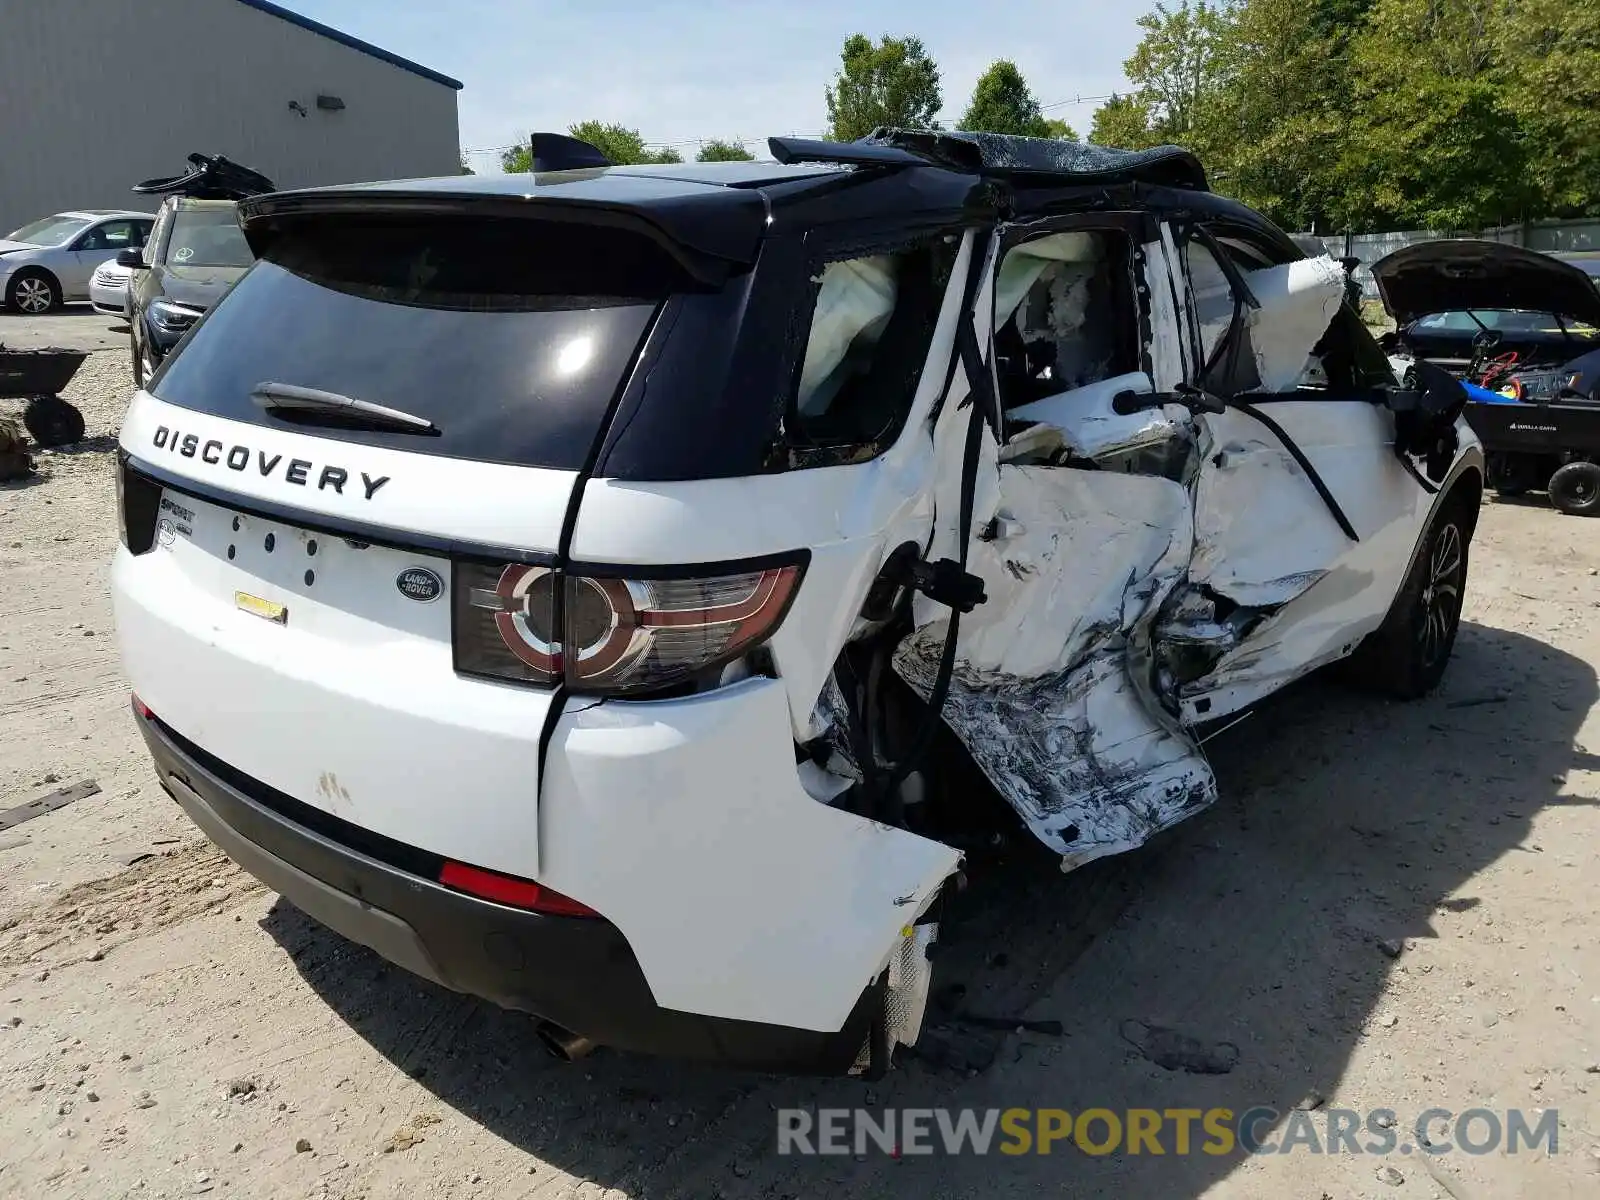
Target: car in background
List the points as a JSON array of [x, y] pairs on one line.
[[48, 263], [1525, 319], [194, 256], [1522, 328], [109, 291]]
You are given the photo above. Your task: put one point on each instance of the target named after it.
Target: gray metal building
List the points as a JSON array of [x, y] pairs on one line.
[[96, 95]]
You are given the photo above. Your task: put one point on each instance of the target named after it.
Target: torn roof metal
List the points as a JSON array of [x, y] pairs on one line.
[[1004, 156]]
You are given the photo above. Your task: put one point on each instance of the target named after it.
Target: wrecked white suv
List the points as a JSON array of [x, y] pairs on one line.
[[567, 585]]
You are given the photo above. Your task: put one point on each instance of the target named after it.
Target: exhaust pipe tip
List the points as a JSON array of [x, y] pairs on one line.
[[562, 1043]]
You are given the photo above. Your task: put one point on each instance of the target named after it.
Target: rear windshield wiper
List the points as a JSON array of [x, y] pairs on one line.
[[311, 403]]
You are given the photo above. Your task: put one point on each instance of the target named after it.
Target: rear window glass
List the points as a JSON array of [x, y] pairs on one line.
[[510, 336], [1501, 321], [52, 231], [207, 237]]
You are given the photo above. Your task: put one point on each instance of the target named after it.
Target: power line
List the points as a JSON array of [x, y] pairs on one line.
[[1079, 100], [701, 141]]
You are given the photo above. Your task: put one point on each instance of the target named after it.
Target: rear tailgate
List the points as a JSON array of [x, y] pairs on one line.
[[320, 666], [285, 604]]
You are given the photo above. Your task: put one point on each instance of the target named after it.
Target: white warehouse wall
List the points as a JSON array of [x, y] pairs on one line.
[[96, 95]]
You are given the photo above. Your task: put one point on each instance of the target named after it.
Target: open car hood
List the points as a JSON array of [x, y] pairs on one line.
[[1454, 276]]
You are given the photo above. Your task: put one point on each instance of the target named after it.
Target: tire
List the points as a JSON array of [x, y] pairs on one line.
[[1575, 489], [144, 364], [51, 422], [1406, 657], [33, 292]]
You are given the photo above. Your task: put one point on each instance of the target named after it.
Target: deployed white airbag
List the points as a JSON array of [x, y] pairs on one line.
[[1026, 264], [1087, 423], [853, 307]]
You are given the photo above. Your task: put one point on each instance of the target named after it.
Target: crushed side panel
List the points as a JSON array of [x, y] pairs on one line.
[[1043, 696]]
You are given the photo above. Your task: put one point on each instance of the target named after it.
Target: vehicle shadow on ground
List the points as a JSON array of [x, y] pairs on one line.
[[1345, 822], [99, 444]]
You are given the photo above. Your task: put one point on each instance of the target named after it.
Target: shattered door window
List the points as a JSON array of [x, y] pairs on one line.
[[1067, 344], [1064, 315], [1273, 345]]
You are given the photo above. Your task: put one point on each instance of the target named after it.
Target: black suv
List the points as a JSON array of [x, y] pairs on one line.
[[194, 255]]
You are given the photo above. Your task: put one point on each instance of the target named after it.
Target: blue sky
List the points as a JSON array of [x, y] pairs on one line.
[[720, 68]]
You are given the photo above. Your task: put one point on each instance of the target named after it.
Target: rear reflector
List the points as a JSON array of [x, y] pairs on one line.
[[140, 708], [504, 889]]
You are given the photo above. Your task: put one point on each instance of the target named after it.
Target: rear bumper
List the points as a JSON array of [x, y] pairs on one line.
[[579, 973], [684, 822]]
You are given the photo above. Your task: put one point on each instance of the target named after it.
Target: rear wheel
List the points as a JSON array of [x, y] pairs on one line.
[[51, 421], [33, 292], [144, 363], [1575, 489], [1408, 654]]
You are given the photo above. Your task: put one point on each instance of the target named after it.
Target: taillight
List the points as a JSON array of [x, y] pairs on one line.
[[617, 635], [507, 889], [138, 508]]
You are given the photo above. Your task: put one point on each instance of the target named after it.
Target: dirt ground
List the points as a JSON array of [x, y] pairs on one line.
[[169, 1028]]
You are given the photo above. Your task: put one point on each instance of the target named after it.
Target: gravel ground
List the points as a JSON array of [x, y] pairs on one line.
[[1393, 906]]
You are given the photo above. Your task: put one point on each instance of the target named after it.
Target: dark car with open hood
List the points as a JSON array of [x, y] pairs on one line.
[[1524, 328]]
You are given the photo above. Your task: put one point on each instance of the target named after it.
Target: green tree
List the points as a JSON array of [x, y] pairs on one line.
[[892, 83], [1123, 122], [1280, 118], [620, 144], [1432, 140], [1060, 130], [517, 160], [717, 150], [1549, 51], [465, 169], [1002, 103], [1178, 67]]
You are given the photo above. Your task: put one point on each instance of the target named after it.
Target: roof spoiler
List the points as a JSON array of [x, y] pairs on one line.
[[558, 152], [790, 150], [210, 177]]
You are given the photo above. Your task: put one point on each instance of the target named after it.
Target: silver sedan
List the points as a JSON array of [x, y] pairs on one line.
[[50, 262]]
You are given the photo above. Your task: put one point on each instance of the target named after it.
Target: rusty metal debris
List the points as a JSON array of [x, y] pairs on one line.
[[59, 798]]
